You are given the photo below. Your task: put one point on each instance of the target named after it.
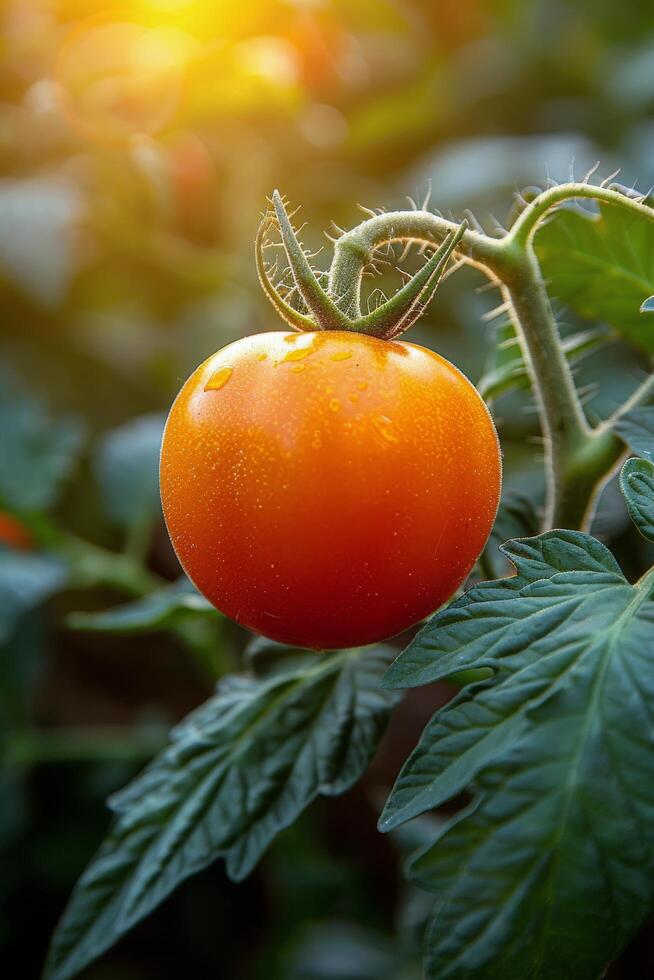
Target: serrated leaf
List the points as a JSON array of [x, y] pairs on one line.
[[637, 485], [636, 429], [517, 517], [547, 873], [37, 452], [602, 266], [127, 468], [480, 626], [237, 771], [26, 581], [163, 609]]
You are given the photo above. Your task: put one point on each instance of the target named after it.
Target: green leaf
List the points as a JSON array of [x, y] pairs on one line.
[[636, 429], [25, 582], [507, 370], [637, 485], [127, 469], [547, 873], [602, 266], [164, 609], [237, 771], [517, 517], [36, 452]]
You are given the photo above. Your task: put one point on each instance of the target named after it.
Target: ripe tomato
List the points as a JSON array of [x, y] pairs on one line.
[[328, 489]]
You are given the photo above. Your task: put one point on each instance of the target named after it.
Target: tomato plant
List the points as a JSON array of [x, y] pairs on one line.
[[328, 487]]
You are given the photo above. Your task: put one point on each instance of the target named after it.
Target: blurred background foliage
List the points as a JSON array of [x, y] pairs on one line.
[[138, 143]]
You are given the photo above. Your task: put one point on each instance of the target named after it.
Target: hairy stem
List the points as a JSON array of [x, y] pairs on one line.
[[525, 225], [354, 250], [565, 429]]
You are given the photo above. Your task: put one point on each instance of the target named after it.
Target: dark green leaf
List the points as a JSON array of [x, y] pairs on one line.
[[237, 771], [163, 609], [36, 452], [602, 266], [547, 873], [127, 468], [636, 429], [637, 485], [517, 517]]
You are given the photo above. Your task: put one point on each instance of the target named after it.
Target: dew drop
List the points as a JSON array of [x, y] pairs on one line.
[[262, 356], [354, 398], [341, 355], [384, 427], [218, 379], [362, 385], [317, 440], [334, 405], [297, 355], [297, 368]]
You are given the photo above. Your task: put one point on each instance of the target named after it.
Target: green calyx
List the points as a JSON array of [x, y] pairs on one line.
[[328, 308]]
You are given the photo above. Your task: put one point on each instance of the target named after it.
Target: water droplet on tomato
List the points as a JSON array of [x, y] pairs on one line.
[[218, 379], [334, 405], [341, 355], [384, 427], [297, 368], [262, 356], [297, 355], [362, 385], [354, 398]]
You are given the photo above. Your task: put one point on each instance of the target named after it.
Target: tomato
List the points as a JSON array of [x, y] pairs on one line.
[[328, 489]]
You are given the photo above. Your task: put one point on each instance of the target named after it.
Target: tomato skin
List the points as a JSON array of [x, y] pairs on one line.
[[328, 489]]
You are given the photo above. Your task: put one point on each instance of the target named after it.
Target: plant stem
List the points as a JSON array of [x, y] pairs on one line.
[[525, 225], [565, 429], [354, 250]]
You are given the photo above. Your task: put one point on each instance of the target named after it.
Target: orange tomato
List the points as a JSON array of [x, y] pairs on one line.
[[328, 489]]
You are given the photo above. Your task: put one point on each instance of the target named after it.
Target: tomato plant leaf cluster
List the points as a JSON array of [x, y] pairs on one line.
[[237, 771], [547, 872]]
